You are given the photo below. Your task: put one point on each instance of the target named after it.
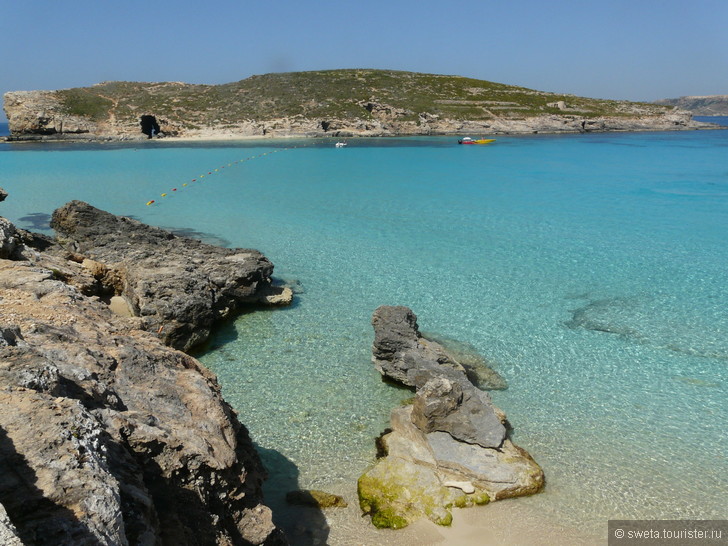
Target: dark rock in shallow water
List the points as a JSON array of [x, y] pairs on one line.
[[314, 497], [449, 448], [178, 287], [401, 354]]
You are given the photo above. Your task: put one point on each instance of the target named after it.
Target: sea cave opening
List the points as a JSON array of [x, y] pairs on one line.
[[150, 127]]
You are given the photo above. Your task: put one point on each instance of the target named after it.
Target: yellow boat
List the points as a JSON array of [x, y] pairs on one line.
[[468, 140]]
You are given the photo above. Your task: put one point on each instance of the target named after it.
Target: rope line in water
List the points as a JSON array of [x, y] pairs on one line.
[[218, 170]]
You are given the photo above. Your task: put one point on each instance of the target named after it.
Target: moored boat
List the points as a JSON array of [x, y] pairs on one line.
[[468, 140]]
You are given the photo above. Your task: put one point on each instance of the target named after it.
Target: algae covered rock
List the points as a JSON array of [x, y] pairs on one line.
[[397, 492]]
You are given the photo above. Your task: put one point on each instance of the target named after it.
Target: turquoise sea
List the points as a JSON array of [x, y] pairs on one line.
[[590, 270]]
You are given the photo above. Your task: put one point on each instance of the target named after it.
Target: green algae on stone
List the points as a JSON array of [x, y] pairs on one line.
[[473, 499], [396, 493]]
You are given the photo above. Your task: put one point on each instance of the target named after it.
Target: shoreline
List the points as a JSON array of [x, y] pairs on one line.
[[50, 139], [212, 135]]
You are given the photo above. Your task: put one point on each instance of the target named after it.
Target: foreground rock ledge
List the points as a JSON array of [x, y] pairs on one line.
[[106, 435], [179, 287], [449, 447]]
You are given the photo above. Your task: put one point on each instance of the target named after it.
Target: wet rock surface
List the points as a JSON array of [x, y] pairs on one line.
[[449, 447], [107, 436], [178, 287]]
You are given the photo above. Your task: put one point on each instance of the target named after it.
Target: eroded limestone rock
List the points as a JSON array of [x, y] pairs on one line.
[[178, 287], [449, 447], [106, 435]]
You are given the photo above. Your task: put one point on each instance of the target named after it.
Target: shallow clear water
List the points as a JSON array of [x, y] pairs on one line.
[[589, 269]]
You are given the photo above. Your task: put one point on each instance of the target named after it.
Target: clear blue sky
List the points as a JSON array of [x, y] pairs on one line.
[[622, 49]]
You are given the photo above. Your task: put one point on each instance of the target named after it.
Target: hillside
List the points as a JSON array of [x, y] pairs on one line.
[[708, 105], [335, 102]]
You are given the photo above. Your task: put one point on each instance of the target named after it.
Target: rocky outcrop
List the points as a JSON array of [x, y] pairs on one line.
[[106, 435], [40, 113], [449, 447], [178, 287]]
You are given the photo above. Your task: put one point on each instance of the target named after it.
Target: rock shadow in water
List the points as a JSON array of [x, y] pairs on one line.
[[39, 221], [302, 525], [207, 238]]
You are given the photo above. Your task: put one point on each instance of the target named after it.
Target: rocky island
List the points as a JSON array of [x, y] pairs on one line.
[[338, 103], [108, 434]]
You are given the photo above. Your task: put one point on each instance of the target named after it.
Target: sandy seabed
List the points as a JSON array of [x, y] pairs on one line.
[[509, 522], [501, 523]]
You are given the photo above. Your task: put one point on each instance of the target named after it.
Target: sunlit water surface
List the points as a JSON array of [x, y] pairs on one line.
[[590, 270]]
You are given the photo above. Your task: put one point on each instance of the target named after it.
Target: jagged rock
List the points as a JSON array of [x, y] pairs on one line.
[[179, 287], [449, 447], [465, 413], [3, 194], [402, 354], [106, 435], [8, 239]]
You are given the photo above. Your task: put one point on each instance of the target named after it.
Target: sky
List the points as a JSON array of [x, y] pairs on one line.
[[617, 49]]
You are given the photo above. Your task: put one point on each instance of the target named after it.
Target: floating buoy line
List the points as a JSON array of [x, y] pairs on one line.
[[213, 172]]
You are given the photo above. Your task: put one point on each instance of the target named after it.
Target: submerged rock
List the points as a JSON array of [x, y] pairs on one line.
[[449, 447], [479, 370], [314, 497], [178, 287]]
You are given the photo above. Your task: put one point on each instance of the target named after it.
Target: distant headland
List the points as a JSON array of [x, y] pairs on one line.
[[706, 105], [338, 103]]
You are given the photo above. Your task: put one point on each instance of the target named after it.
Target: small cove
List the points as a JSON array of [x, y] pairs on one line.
[[588, 268]]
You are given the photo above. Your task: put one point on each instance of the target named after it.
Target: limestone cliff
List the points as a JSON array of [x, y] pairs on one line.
[[107, 436], [322, 103]]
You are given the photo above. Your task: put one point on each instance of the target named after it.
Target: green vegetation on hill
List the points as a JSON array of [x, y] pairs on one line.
[[332, 94]]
